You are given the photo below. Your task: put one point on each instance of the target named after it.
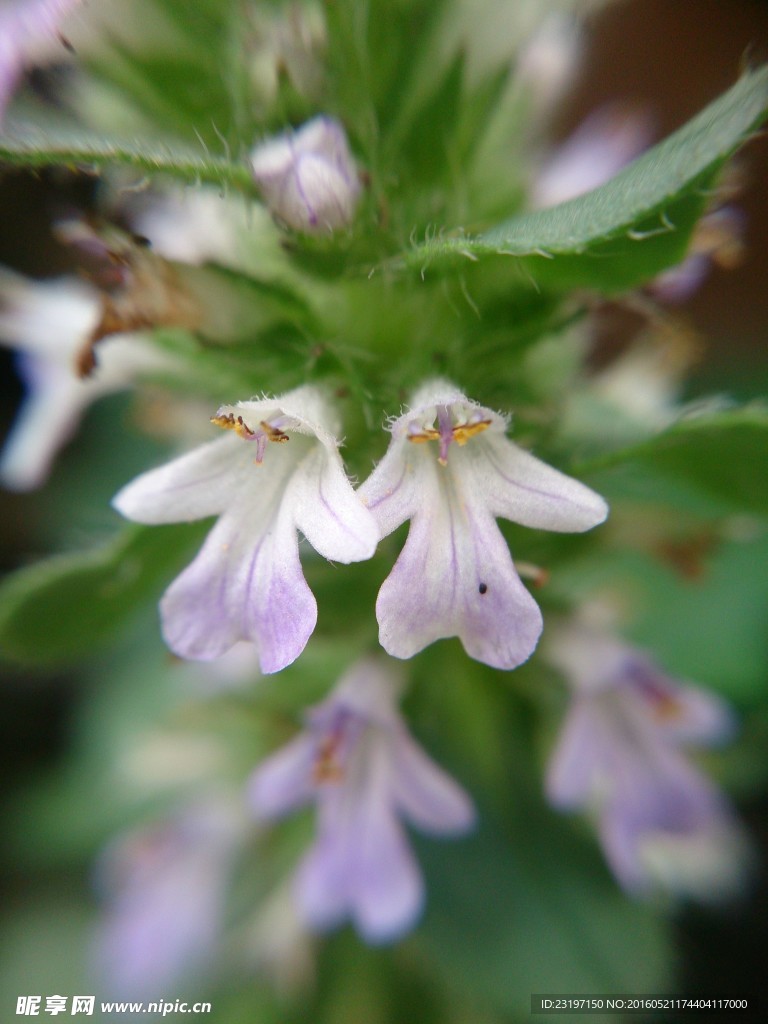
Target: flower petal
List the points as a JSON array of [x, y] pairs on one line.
[[363, 867], [455, 577], [392, 491], [361, 864], [711, 865], [283, 782], [656, 792], [698, 717], [49, 318], [165, 896], [46, 420], [246, 583], [519, 487], [194, 486], [321, 884], [308, 178], [425, 794], [387, 889], [328, 511], [578, 760]]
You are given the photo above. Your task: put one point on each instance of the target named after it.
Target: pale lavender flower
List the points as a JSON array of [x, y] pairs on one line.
[[621, 755], [357, 762], [277, 471], [308, 177], [549, 61], [164, 889], [595, 152], [51, 324], [455, 576], [29, 30]]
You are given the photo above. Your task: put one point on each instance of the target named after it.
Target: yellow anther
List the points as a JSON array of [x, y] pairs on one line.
[[326, 767], [231, 422], [463, 432], [666, 708], [424, 435], [273, 434]]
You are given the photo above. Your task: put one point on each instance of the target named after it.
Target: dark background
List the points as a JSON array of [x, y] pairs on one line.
[[672, 55]]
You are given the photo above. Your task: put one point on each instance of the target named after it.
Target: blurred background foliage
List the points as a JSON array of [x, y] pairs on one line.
[[91, 747]]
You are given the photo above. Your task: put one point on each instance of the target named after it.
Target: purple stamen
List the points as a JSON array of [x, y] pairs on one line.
[[445, 430], [261, 443]]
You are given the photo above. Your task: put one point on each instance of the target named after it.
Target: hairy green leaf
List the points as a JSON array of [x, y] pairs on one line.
[[632, 227], [722, 455], [36, 145]]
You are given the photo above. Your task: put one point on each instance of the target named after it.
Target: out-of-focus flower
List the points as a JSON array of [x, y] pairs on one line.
[[308, 177], [598, 149], [644, 383], [164, 890], [549, 60], [357, 762], [662, 824], [718, 241], [55, 325], [246, 582], [194, 226], [455, 576], [29, 32], [286, 43]]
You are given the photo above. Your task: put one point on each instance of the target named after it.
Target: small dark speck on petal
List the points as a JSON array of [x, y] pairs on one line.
[[483, 588]]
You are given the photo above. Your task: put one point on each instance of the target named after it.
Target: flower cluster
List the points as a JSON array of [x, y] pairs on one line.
[[451, 470], [273, 478], [278, 470]]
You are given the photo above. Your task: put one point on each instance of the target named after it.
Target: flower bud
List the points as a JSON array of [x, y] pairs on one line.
[[308, 177]]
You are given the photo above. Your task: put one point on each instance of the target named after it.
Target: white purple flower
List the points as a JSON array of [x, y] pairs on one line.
[[308, 177], [451, 471], [277, 471], [621, 755], [357, 762], [28, 31], [52, 324], [164, 892]]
